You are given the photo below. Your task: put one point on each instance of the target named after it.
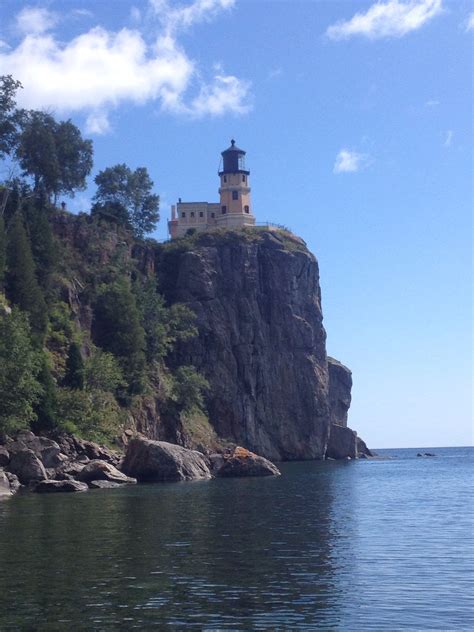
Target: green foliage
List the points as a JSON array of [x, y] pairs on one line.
[[19, 367], [46, 407], [74, 377], [187, 389], [117, 329], [164, 326], [125, 196], [3, 250], [22, 285], [43, 245], [94, 415], [10, 117], [199, 433], [54, 154], [103, 373]]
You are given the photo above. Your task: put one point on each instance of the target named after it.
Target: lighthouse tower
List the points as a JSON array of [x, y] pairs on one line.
[[235, 202], [234, 210]]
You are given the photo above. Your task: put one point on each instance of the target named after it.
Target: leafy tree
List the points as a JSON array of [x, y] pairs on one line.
[[164, 326], [43, 246], [54, 154], [125, 196], [117, 329], [22, 285], [19, 366], [188, 387], [74, 377], [103, 373], [10, 116], [94, 415]]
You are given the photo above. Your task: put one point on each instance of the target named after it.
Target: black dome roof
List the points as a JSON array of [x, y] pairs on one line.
[[233, 148]]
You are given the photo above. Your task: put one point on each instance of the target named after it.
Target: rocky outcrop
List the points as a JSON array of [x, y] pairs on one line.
[[340, 385], [152, 461], [362, 449], [342, 443], [242, 462], [261, 342], [102, 471]]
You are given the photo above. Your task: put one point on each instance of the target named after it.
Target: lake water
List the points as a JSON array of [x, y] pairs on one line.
[[367, 545]]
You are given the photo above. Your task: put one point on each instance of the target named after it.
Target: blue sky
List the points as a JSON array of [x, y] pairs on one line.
[[357, 121]]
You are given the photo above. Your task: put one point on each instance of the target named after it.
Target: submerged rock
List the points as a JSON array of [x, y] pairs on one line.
[[104, 484], [48, 487], [154, 461], [245, 463], [101, 471]]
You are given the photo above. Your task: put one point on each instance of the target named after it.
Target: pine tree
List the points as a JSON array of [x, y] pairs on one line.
[[22, 285], [3, 251], [117, 329], [47, 406], [42, 240], [74, 377]]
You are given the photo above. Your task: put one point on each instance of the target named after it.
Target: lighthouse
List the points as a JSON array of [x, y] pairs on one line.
[[234, 209]]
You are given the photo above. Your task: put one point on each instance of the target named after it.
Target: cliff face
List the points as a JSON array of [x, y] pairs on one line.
[[261, 342], [340, 386]]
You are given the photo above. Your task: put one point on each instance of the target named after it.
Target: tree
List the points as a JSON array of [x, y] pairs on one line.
[[10, 116], [117, 329], [103, 373], [188, 387], [19, 366], [46, 408], [43, 246], [125, 196], [22, 285], [74, 377], [3, 251], [54, 154]]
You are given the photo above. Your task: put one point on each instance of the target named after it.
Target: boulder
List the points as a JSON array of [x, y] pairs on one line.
[[342, 443], [4, 456], [47, 450], [149, 460], [14, 482], [68, 470], [5, 490], [362, 449], [26, 465], [48, 487], [245, 463], [101, 471]]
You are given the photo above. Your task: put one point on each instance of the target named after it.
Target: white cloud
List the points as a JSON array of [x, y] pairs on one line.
[[135, 15], [448, 139], [99, 69], [82, 13], [394, 18], [350, 161], [35, 20], [470, 22], [432, 103]]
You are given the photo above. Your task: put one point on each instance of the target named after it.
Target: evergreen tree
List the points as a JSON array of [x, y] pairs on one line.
[[3, 251], [19, 366], [47, 405], [117, 329], [74, 377], [22, 285], [42, 239]]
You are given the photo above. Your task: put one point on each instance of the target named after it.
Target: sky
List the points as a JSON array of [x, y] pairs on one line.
[[357, 121]]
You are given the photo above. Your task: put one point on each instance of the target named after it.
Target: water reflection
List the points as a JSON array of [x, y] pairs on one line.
[[231, 553]]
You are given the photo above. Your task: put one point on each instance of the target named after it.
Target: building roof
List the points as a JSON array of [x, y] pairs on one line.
[[233, 147]]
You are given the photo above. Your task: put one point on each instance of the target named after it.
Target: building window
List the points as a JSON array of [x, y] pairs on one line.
[[243, 179], [183, 214], [213, 215], [225, 178], [192, 213], [224, 210], [201, 214], [246, 209], [235, 195]]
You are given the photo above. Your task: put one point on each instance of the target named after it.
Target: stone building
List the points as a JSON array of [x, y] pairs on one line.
[[234, 209]]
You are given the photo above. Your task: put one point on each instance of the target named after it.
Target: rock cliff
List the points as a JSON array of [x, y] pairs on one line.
[[261, 342]]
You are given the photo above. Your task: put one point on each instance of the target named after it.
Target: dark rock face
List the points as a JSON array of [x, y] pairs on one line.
[[342, 443], [48, 487], [149, 461], [245, 463], [340, 385], [362, 449], [261, 342], [102, 471], [26, 465], [4, 456]]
